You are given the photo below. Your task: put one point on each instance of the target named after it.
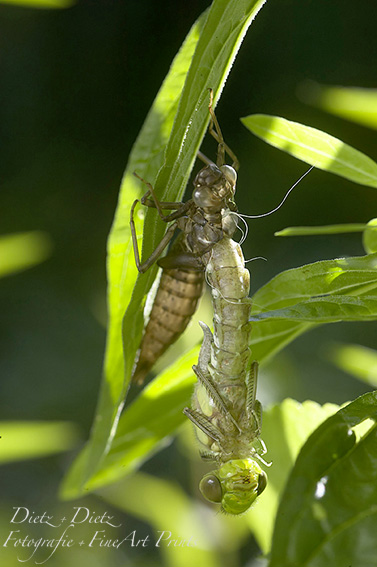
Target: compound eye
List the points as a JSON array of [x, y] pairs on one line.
[[210, 487], [230, 174], [262, 482]]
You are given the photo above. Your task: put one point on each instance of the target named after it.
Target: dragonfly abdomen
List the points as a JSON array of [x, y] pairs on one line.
[[230, 284]]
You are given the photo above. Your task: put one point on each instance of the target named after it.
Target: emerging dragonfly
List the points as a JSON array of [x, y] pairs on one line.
[[225, 409]]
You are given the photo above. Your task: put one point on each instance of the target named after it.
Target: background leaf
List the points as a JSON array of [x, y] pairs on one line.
[[357, 360], [343, 276], [370, 237], [352, 103], [23, 250], [20, 440], [314, 147], [146, 158], [320, 230], [162, 504], [41, 4]]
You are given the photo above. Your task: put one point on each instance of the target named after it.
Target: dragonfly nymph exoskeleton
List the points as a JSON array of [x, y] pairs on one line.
[[224, 410], [202, 223]]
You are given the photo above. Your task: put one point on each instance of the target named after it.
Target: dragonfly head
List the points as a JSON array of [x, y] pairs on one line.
[[215, 187], [235, 485]]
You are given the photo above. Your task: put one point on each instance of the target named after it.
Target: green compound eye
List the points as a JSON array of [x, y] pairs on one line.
[[210, 487]]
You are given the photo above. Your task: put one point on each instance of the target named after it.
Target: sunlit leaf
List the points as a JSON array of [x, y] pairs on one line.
[[357, 360], [314, 147], [23, 250], [330, 498], [20, 440], [320, 230]]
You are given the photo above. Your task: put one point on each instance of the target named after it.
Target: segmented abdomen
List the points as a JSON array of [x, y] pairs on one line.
[[175, 302], [228, 356], [230, 284]]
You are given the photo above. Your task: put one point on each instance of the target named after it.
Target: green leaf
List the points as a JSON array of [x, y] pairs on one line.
[[286, 427], [357, 360], [144, 426], [342, 276], [327, 515], [23, 250], [320, 230], [354, 277], [328, 309], [370, 237], [218, 38], [314, 147], [20, 440], [352, 103]]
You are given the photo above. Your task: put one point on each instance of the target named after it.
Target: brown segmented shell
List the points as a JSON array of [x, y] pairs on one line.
[[181, 287], [176, 300]]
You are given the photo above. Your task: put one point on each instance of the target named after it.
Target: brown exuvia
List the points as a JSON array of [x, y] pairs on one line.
[[203, 222]]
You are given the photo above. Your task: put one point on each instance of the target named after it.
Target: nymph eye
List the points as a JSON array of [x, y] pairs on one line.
[[230, 174]]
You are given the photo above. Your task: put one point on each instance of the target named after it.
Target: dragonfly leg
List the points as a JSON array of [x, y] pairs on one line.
[[204, 158], [215, 131], [179, 208], [143, 267]]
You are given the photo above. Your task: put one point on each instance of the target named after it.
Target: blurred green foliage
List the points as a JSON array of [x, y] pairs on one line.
[[22, 251], [42, 4]]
